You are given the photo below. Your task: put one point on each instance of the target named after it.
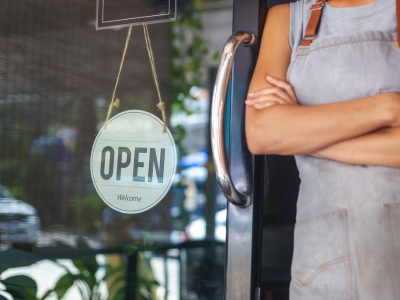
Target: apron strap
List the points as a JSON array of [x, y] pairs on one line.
[[312, 26], [315, 18], [398, 21]]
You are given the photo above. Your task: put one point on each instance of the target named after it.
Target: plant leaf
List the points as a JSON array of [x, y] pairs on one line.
[[120, 294], [46, 294], [21, 286], [63, 285]]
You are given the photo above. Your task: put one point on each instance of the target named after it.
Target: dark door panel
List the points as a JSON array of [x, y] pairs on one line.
[[260, 236]]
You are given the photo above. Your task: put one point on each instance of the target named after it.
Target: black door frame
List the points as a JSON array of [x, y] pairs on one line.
[[248, 172]]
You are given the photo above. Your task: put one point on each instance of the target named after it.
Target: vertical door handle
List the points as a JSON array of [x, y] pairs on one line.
[[217, 117]]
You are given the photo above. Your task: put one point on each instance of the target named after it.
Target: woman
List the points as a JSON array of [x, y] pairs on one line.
[[332, 101]]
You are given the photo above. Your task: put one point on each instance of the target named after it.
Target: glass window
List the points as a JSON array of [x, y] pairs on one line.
[[58, 239]]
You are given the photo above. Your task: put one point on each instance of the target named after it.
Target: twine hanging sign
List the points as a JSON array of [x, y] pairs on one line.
[[133, 159], [133, 163]]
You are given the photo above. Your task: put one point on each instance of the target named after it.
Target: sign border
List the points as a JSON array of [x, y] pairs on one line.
[[170, 182], [152, 19], [102, 15]]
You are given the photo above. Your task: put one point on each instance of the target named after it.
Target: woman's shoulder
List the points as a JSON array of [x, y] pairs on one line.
[[279, 16], [287, 20], [290, 20], [293, 13], [280, 9], [293, 5], [278, 22]]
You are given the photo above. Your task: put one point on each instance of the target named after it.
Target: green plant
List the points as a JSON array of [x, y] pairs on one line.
[[20, 287], [146, 284], [85, 280], [24, 287], [189, 49]]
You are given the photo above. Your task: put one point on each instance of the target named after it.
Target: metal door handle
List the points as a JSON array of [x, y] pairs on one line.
[[217, 117]]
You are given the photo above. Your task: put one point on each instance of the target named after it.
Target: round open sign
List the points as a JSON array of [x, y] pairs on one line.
[[133, 163]]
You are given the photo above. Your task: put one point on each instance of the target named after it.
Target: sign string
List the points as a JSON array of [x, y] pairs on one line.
[[161, 104], [116, 103]]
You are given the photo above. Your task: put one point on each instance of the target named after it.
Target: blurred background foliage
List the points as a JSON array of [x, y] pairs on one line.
[[188, 52]]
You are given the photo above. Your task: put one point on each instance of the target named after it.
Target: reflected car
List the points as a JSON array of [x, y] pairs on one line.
[[19, 223]]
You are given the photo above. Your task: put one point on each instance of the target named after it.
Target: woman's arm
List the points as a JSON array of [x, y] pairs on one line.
[[293, 129], [380, 147], [275, 51]]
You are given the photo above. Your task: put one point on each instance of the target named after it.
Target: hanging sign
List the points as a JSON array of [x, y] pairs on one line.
[[119, 13], [132, 162]]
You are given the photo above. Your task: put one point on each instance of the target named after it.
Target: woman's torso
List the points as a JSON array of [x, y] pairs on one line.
[[339, 67], [353, 56]]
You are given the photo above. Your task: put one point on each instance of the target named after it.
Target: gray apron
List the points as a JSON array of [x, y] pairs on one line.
[[347, 235]]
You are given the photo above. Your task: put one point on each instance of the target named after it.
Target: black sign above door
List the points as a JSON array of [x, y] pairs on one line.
[[122, 13]]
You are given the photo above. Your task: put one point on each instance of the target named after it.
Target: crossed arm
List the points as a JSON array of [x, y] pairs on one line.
[[349, 132]]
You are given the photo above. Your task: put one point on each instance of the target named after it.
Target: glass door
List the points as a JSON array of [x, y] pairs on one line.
[[58, 239]]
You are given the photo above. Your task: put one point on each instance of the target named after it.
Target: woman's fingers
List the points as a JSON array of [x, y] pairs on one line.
[[288, 88], [268, 98], [282, 93], [267, 102], [270, 91]]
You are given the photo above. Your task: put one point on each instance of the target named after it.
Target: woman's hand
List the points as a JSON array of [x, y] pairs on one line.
[[281, 93]]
